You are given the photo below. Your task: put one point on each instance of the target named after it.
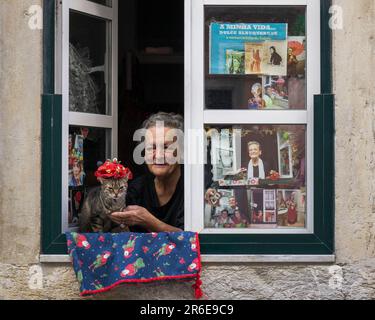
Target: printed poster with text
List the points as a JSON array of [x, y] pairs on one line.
[[249, 48]]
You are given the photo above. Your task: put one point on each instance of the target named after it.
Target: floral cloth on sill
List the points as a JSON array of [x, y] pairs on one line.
[[103, 261]]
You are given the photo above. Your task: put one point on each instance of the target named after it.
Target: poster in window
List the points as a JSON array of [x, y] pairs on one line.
[[258, 173], [76, 170], [248, 48]]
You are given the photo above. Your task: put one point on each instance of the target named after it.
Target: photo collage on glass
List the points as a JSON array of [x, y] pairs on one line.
[[253, 61], [85, 145], [255, 176]]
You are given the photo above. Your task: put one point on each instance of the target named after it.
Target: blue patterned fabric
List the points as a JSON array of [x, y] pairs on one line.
[[102, 261]]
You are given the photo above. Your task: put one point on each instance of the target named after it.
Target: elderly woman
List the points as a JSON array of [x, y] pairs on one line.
[[156, 200]]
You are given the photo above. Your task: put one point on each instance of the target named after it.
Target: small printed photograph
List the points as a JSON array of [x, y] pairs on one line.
[[275, 92], [256, 101], [259, 154], [245, 156], [297, 56], [225, 155], [254, 57], [76, 175], [285, 160], [285, 154], [76, 198], [227, 212], [235, 62], [291, 208], [256, 206], [263, 208], [275, 58], [76, 169], [266, 58]]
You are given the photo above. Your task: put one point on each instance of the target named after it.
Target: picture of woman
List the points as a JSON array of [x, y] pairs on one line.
[[275, 57], [256, 102], [254, 58], [255, 64], [292, 209], [238, 220], [77, 176]]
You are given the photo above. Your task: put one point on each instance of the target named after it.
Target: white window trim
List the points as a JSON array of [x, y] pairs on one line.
[[196, 116], [62, 83]]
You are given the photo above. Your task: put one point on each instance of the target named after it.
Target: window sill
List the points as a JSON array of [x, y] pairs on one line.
[[229, 258]]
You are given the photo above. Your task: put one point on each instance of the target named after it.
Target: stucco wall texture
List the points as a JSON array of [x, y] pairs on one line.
[[353, 275]]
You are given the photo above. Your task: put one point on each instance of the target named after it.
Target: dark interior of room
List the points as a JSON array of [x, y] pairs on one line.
[[151, 66]]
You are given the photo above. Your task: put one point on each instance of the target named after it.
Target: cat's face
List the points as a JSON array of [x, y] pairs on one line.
[[114, 188]]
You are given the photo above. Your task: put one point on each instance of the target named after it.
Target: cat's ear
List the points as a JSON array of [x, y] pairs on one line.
[[101, 180]]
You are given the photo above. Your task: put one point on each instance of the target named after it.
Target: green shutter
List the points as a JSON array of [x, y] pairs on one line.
[[52, 240]]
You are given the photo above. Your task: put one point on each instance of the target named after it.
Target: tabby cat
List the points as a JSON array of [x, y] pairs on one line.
[[100, 203]]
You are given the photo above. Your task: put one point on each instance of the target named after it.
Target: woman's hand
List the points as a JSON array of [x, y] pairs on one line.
[[139, 216], [134, 216]]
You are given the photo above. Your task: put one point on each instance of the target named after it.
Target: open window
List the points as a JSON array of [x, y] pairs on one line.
[[86, 72]]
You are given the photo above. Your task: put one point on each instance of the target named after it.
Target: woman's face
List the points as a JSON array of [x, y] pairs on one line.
[[254, 151], [76, 169], [161, 151], [70, 143]]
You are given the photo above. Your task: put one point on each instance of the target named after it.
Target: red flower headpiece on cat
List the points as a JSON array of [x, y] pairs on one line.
[[113, 169]]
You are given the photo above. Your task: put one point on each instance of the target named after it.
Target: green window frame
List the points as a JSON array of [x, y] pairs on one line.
[[321, 242]]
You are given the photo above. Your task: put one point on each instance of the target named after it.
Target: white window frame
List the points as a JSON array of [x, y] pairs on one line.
[[196, 116], [109, 121]]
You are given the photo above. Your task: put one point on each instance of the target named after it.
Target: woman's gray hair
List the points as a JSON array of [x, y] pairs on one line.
[[170, 120]]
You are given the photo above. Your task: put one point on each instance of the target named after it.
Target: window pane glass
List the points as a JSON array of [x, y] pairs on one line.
[[255, 176], [88, 148], [107, 3], [89, 70], [255, 57]]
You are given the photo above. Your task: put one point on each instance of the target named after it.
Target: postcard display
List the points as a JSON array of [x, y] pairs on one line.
[[255, 176]]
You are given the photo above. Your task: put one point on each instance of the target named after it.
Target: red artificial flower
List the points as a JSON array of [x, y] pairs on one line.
[[113, 169], [274, 175]]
